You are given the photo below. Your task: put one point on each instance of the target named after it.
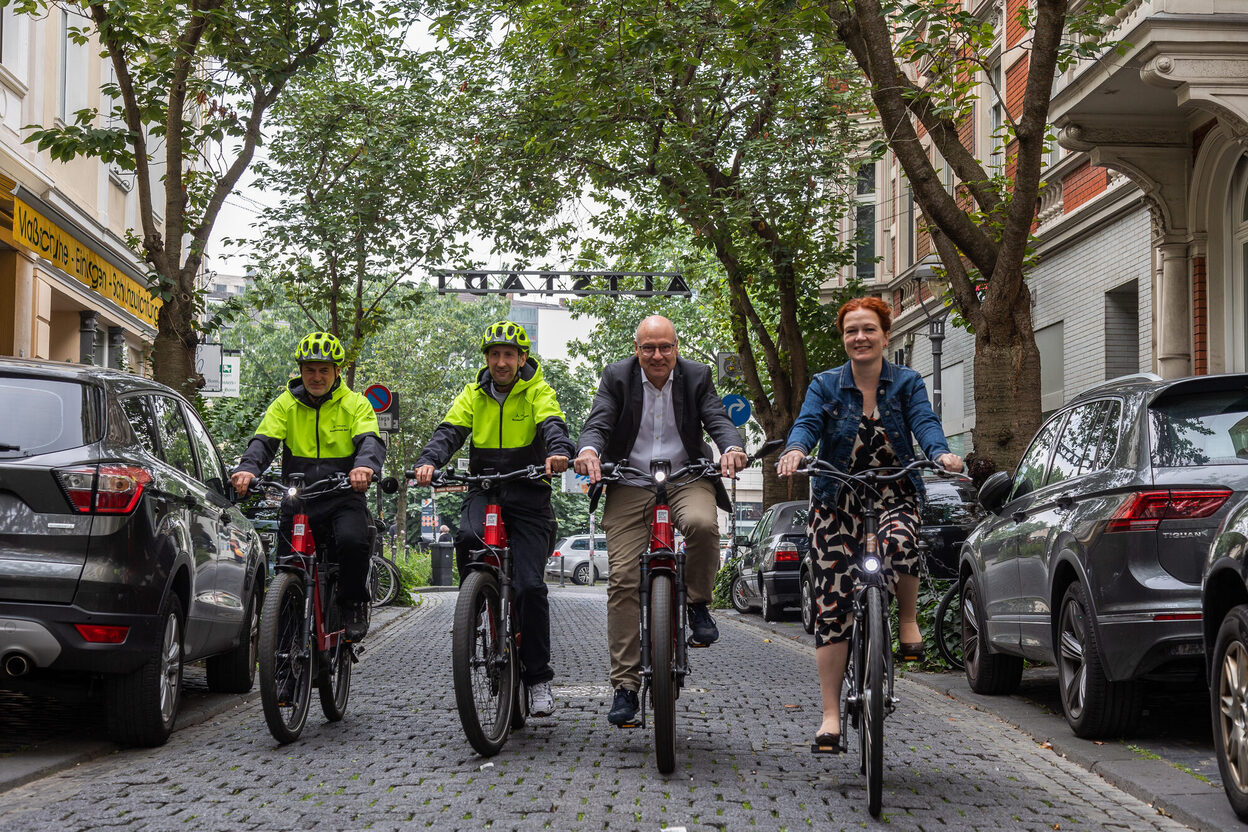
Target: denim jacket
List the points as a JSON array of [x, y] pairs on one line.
[[833, 409]]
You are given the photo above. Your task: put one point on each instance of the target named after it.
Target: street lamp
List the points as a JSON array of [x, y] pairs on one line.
[[925, 272]]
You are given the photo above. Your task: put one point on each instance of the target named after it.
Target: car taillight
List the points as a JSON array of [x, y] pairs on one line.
[[99, 634], [1145, 511], [111, 488], [786, 552]]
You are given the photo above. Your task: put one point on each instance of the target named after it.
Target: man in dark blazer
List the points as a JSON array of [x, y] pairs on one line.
[[656, 405]]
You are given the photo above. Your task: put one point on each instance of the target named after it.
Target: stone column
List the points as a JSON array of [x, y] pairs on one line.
[[116, 347], [1173, 313], [86, 336], [24, 309]]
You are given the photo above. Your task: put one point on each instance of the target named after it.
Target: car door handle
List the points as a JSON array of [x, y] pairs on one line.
[[1065, 502], [192, 502], [224, 517], [1018, 516]]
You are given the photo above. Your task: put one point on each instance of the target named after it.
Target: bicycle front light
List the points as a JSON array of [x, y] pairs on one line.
[[871, 563], [292, 491], [659, 469]]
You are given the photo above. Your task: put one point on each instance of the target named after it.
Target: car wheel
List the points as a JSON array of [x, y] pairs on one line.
[[1095, 706], [809, 613], [771, 609], [988, 673], [1229, 701], [739, 602], [580, 575], [235, 670], [142, 706]]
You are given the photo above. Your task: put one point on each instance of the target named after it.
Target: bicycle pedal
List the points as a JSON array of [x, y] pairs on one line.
[[633, 724], [692, 643], [815, 748]]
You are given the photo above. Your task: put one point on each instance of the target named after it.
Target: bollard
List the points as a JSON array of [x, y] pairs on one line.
[[440, 556]]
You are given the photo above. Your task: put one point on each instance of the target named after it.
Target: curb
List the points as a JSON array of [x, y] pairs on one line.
[[1168, 789], [23, 767]]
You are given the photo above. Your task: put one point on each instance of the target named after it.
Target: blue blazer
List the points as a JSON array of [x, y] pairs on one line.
[[833, 409]]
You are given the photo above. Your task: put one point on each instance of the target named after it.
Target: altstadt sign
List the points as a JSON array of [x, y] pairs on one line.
[[582, 284]]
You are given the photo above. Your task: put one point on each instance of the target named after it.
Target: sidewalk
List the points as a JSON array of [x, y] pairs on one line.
[[1170, 763]]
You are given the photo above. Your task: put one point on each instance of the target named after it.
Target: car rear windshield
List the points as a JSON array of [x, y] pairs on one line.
[[1200, 429], [40, 415]]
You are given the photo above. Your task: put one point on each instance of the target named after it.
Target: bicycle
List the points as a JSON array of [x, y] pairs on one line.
[[664, 616], [383, 573], [490, 695], [867, 695], [302, 635]]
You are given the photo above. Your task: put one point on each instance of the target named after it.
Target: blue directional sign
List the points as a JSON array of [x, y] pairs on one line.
[[379, 396], [738, 408]]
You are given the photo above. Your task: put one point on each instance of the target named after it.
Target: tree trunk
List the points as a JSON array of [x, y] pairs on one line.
[[1007, 396], [400, 519], [173, 353]]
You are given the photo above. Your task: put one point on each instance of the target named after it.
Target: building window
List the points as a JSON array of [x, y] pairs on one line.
[[864, 223], [996, 114], [526, 316], [72, 90], [1052, 367]]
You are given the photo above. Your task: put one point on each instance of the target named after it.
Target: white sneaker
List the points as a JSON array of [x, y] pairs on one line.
[[541, 700]]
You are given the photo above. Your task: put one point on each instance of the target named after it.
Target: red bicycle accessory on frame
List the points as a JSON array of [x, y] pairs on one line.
[[662, 535], [301, 536], [495, 532]]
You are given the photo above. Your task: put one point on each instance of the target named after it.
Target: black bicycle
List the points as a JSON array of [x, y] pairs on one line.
[[490, 694], [867, 695], [664, 616]]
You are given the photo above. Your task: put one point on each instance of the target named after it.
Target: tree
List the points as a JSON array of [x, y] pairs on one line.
[[732, 124], [192, 84], [923, 60]]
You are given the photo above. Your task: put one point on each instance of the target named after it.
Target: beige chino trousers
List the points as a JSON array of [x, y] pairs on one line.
[[626, 520]]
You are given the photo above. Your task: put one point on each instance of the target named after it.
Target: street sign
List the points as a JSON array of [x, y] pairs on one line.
[[385, 421], [574, 483], [729, 364], [208, 364], [738, 408], [379, 396]]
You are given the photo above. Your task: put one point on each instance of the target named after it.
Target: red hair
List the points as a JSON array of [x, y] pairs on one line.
[[872, 304]]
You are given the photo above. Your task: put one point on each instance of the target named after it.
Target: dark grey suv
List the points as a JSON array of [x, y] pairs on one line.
[[1091, 554], [121, 554]]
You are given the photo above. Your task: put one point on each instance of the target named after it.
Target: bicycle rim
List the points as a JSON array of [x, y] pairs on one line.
[[285, 659], [873, 693], [949, 627], [334, 674], [383, 581], [663, 682], [483, 664]]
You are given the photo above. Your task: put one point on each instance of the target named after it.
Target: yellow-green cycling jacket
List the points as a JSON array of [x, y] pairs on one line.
[[525, 429], [337, 433]]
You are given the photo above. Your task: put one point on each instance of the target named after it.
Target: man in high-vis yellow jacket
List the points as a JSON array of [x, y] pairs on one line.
[[324, 427], [514, 420]]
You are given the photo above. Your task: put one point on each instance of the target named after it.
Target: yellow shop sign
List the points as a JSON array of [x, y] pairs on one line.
[[50, 241]]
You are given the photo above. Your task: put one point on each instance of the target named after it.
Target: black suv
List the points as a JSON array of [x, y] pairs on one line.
[[122, 556], [768, 561], [1093, 552]]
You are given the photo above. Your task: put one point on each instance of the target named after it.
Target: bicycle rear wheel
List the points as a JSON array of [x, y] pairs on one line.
[[663, 680], [483, 664], [285, 658], [873, 693], [383, 581], [334, 670], [949, 626]]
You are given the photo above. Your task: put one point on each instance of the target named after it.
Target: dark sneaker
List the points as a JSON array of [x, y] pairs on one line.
[[623, 707], [702, 625], [355, 617]]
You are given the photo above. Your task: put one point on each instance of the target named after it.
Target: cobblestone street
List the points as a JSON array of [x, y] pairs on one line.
[[399, 758]]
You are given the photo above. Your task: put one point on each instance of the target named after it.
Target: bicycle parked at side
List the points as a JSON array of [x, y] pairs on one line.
[[303, 641], [490, 693], [664, 614], [383, 573], [867, 695]]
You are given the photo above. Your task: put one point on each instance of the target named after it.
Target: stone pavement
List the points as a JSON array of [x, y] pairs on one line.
[[399, 758]]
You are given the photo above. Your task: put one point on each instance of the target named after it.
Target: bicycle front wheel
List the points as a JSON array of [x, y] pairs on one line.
[[873, 693], [949, 626], [334, 671], [383, 580], [483, 664], [285, 658], [663, 681]]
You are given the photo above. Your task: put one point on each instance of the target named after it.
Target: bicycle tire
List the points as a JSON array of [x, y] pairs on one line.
[[663, 679], [874, 690], [334, 671], [383, 581], [520, 708], [483, 664], [949, 626], [285, 658]]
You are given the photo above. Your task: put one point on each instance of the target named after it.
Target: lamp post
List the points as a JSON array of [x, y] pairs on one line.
[[926, 273]]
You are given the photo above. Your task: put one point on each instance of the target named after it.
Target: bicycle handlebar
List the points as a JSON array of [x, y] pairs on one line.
[[310, 491], [813, 465], [449, 475]]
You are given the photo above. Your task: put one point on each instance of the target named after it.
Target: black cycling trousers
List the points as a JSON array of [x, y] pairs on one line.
[[342, 520], [530, 524]]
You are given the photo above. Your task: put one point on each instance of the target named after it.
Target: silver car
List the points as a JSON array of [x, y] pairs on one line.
[[571, 554]]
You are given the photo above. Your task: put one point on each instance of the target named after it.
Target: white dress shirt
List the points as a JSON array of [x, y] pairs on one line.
[[658, 436]]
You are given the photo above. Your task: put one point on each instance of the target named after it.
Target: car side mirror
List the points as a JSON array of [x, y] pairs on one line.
[[768, 448], [993, 492], [741, 540]]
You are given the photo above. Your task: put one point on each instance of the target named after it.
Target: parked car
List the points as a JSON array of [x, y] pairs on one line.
[[768, 561], [122, 556], [1092, 553], [949, 513], [572, 555]]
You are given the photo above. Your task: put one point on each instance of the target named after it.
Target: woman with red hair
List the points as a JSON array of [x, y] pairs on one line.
[[862, 415]]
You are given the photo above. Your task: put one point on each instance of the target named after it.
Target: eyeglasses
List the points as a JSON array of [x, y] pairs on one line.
[[661, 349]]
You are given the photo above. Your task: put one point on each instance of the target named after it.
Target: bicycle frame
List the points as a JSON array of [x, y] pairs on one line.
[[662, 557], [303, 557], [496, 558], [870, 578]]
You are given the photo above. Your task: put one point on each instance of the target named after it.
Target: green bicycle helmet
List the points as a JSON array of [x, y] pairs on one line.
[[505, 332], [320, 346]]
